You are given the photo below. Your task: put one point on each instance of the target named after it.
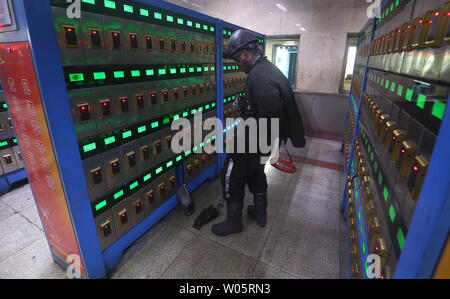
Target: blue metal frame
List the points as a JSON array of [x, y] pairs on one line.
[[36, 25]]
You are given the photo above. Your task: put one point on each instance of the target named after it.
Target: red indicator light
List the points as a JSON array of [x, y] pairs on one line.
[[83, 108], [115, 164], [148, 37], [162, 187], [403, 151], [415, 168], [377, 248], [116, 34], [387, 129], [123, 215], [447, 14], [133, 36], [393, 138], [409, 26], [94, 32], [124, 100], [382, 277], [138, 205], [105, 104], [150, 195], [420, 22], [429, 22], [69, 29]]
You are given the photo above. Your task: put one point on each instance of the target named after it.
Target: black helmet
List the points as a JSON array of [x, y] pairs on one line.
[[239, 40]]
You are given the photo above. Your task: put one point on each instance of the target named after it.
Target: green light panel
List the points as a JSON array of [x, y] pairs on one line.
[[100, 205], [400, 90], [197, 25], [155, 124], [76, 77], [166, 121], [438, 109], [400, 238], [142, 129], [158, 16], [4, 143], [135, 73], [159, 170], [144, 12], [119, 74], [149, 72], [189, 23], [89, 147], [110, 140], [118, 194], [99, 76], [169, 19], [392, 213], [180, 21], [161, 72], [385, 194], [110, 4], [170, 163], [126, 134], [147, 177], [179, 158], [421, 99], [128, 8], [89, 1], [134, 185], [409, 94]]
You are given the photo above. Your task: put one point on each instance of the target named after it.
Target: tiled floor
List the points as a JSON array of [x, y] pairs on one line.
[[304, 236]]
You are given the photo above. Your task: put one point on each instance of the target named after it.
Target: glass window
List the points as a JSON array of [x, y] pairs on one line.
[[349, 63]]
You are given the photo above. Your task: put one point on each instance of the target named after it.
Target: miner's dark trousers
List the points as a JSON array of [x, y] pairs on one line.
[[241, 169]]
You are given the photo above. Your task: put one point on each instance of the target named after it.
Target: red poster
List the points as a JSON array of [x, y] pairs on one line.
[[25, 106]]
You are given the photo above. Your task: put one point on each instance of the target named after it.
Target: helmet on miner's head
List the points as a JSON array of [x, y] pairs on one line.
[[240, 39]]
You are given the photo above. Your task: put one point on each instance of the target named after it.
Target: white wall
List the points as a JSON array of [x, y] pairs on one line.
[[322, 24]]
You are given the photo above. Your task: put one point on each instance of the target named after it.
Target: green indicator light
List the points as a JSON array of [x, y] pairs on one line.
[[110, 140], [170, 163], [208, 141], [212, 29], [189, 23], [99, 76], [225, 32], [100, 205], [199, 69], [89, 1], [134, 185], [213, 105], [364, 248], [205, 27], [119, 74], [224, 100], [176, 117], [229, 32], [356, 193], [183, 70], [438, 109], [187, 154], [5, 106], [392, 6], [400, 90], [393, 87], [380, 179], [194, 149], [421, 99], [361, 231], [4, 143], [359, 216], [409, 94], [193, 111], [180, 21], [185, 114], [179, 158], [206, 69], [159, 170], [368, 149], [213, 69], [173, 71], [15, 140], [234, 67], [382, 82], [169, 19], [207, 107], [166, 121], [224, 68], [149, 72], [385, 194], [128, 8], [142, 129], [89, 147], [135, 73], [191, 70], [76, 77], [202, 144], [200, 109], [161, 72], [155, 124], [387, 84], [197, 25], [110, 4], [400, 238], [371, 157], [147, 177], [144, 12], [118, 194], [397, 2], [229, 67], [214, 138], [375, 166], [157, 16], [392, 213], [126, 134]]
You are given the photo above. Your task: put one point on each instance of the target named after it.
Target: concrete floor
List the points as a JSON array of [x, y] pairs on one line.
[[305, 236]]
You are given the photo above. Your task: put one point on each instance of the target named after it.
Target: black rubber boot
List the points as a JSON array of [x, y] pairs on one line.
[[233, 223], [258, 211]]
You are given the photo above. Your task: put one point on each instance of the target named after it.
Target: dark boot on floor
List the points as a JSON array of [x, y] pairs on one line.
[[259, 210], [233, 223]]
